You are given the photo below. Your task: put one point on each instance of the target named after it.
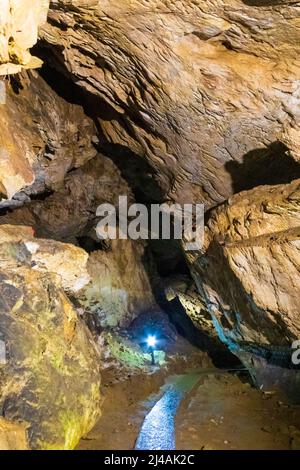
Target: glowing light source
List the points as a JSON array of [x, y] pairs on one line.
[[151, 341]]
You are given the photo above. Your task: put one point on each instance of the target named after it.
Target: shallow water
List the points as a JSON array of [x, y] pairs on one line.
[[158, 430]]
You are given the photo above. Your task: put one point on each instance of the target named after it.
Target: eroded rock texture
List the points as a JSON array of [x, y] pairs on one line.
[[249, 266], [187, 101], [198, 89], [248, 272], [68, 262], [119, 290], [19, 23], [70, 211], [188, 297], [50, 370], [42, 138]]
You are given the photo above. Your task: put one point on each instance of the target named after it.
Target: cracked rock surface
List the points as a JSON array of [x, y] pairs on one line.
[[196, 89]]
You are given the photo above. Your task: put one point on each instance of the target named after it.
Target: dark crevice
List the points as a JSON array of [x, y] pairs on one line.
[[16, 84], [268, 3], [217, 351], [139, 175], [41, 196], [228, 45], [90, 245], [5, 210]]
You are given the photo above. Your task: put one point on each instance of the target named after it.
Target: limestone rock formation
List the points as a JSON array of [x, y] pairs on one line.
[[69, 263], [50, 371], [193, 101], [61, 204], [248, 273], [188, 296], [191, 317], [19, 23], [200, 90], [70, 212], [119, 290], [42, 138]]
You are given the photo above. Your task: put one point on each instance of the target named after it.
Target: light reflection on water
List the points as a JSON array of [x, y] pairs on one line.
[[158, 432]]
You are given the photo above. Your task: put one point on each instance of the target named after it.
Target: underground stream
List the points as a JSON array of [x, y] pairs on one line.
[[158, 431]]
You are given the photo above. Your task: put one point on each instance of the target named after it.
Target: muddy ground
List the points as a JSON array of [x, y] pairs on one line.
[[223, 411], [129, 396]]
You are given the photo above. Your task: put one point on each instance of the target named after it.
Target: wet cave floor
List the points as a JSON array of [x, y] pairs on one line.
[[220, 409]]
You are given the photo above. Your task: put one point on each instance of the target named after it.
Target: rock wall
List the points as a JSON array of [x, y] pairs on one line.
[[248, 277], [19, 23], [192, 101], [198, 89], [120, 289], [69, 212], [50, 378], [42, 138], [70, 179], [248, 270]]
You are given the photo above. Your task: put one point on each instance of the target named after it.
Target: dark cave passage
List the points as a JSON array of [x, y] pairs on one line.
[[129, 130], [163, 259]]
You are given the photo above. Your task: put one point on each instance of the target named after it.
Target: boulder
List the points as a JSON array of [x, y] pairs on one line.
[[248, 273], [18, 246], [50, 378]]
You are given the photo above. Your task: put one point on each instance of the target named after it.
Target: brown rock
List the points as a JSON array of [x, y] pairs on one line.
[[248, 268], [51, 378], [50, 369], [119, 290], [201, 91], [247, 275], [69, 263], [42, 138], [192, 304], [12, 436], [70, 212]]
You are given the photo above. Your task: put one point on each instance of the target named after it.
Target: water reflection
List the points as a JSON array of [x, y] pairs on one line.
[[158, 432]]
